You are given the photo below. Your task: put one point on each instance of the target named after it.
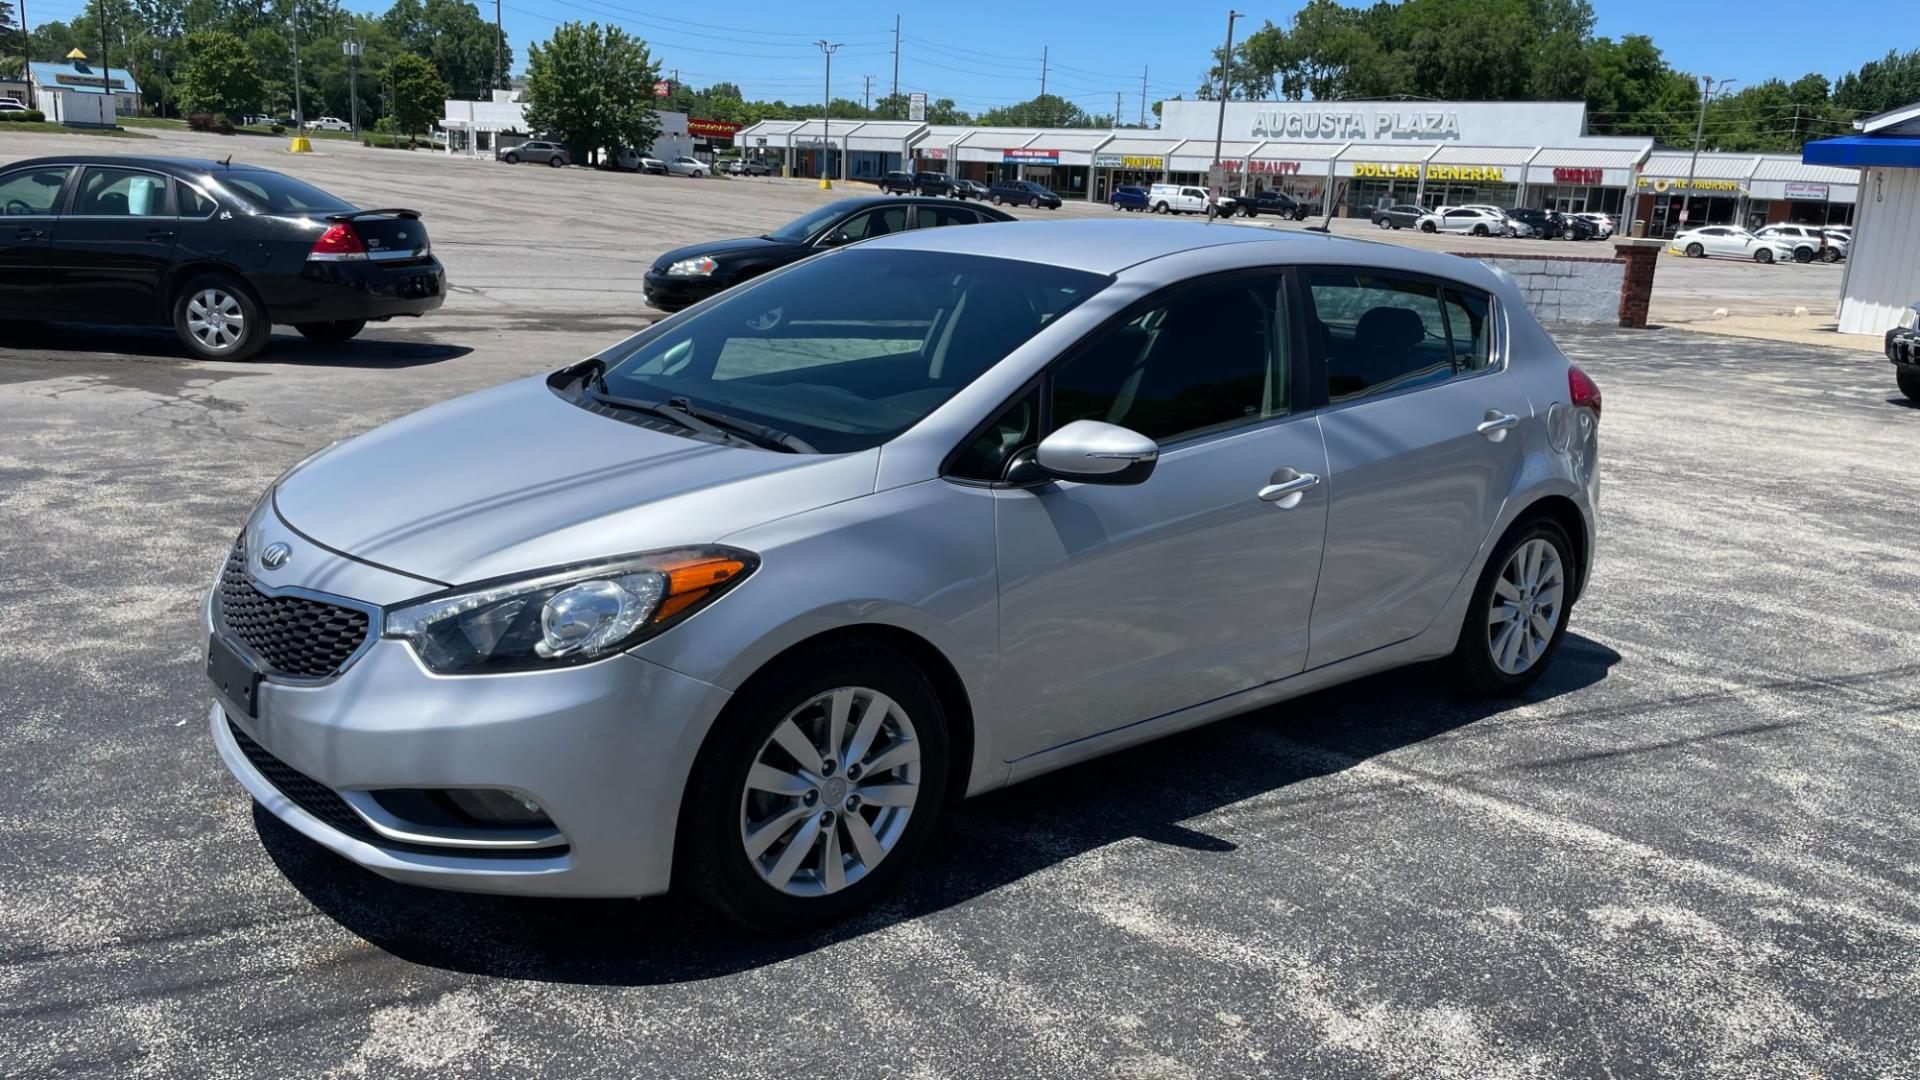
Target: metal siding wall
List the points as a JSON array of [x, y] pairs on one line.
[[1883, 274]]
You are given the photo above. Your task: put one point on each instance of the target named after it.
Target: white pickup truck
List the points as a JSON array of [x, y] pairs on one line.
[[1177, 199]]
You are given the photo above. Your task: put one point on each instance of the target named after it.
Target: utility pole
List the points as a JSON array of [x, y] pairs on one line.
[[1143, 97], [499, 52], [1226, 87], [351, 47], [826, 116], [1043, 71], [299, 116], [26, 51], [866, 94], [1699, 131], [1116, 108], [896, 65], [105, 64]]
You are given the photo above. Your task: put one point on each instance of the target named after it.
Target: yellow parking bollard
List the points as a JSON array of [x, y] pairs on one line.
[[826, 184], [300, 145]]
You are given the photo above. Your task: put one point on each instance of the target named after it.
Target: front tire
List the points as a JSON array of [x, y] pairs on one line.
[[331, 333], [821, 781], [1518, 614], [216, 319], [1909, 381], [1763, 256], [1695, 251], [1428, 227], [513, 159]]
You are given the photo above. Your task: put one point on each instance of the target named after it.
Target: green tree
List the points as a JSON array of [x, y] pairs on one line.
[[12, 56], [454, 36], [592, 89], [1046, 110], [219, 75], [419, 93], [1880, 85]]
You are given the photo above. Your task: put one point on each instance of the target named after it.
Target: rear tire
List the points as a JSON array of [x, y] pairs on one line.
[[555, 162], [331, 333], [1830, 255], [720, 809], [216, 319], [1479, 230], [1803, 255], [1485, 659]]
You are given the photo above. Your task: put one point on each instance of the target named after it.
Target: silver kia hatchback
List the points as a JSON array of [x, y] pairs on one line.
[[744, 602]]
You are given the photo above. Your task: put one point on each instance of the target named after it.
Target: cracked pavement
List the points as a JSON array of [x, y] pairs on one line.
[[1690, 851]]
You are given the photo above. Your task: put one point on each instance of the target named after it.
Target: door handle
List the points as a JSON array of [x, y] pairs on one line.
[[159, 234], [1495, 426], [26, 233], [1286, 494]]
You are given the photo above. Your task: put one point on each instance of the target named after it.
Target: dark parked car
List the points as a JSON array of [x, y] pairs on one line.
[[1023, 193], [538, 151], [1903, 348], [897, 183], [220, 253], [653, 167], [1546, 224], [688, 275], [1272, 202], [969, 189], [933, 183], [1128, 198], [1404, 216]]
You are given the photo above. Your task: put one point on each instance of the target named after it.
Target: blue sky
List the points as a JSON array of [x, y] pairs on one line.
[[983, 55]]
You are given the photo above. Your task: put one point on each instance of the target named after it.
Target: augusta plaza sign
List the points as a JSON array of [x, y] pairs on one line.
[[1356, 123]]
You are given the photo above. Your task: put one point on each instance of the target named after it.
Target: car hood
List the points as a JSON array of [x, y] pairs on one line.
[[517, 478], [738, 247]]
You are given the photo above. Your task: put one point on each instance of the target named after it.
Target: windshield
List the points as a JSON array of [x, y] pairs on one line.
[[848, 350], [277, 194], [807, 226]]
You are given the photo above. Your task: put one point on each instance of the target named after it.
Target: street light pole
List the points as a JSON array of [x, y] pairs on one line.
[[826, 118], [351, 47], [26, 52], [1226, 87], [1699, 131], [299, 115]]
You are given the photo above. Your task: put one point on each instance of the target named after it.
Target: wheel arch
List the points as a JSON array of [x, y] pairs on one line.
[[1567, 514]]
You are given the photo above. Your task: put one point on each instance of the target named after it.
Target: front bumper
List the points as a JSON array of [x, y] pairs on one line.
[[673, 293], [605, 749], [349, 290], [1903, 348]]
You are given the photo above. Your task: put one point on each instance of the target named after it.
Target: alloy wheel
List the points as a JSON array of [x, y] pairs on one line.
[[830, 792], [216, 320], [1527, 606]]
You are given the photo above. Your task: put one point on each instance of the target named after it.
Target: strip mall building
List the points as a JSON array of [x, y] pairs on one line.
[[1347, 156]]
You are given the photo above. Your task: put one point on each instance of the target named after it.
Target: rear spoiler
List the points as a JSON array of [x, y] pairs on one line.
[[395, 211]]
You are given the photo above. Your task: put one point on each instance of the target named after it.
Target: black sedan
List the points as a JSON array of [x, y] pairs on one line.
[[1272, 202], [218, 252], [932, 183], [688, 275], [1404, 216], [969, 189]]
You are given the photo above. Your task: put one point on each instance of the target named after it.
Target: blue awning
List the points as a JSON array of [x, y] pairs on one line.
[[1865, 151]]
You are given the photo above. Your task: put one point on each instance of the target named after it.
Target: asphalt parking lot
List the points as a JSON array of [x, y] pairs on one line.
[[1689, 852]]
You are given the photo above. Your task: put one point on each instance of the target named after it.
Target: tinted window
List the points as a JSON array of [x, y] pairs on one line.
[[1379, 333], [849, 350], [985, 458], [891, 219], [1211, 358], [121, 193], [277, 194], [193, 202], [807, 225], [1468, 328], [932, 216], [33, 191]]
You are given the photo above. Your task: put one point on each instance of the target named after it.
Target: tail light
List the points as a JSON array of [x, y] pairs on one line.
[[337, 243], [1585, 392]]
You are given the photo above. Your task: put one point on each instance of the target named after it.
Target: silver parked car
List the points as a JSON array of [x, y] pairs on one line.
[[740, 604]]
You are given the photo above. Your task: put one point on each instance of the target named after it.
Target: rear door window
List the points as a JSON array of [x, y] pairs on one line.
[[108, 192], [1379, 333]]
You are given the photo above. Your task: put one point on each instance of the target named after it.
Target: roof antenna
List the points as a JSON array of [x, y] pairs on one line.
[[227, 164]]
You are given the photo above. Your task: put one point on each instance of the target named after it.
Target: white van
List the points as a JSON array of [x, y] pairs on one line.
[[1177, 199]]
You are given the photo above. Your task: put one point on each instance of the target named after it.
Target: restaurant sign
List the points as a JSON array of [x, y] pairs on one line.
[[717, 129], [1662, 183], [1025, 156], [1404, 170], [1812, 192], [1128, 161], [1579, 176], [1489, 173]]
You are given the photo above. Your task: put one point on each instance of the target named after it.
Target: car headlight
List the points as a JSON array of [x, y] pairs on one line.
[[698, 266], [572, 615]]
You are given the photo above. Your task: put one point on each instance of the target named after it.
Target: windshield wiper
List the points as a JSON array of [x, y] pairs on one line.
[[770, 437], [669, 412]]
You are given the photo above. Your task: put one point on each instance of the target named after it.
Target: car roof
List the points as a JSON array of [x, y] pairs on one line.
[[1108, 247], [176, 164]]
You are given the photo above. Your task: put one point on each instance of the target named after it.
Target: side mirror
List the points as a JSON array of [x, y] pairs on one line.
[[1087, 452]]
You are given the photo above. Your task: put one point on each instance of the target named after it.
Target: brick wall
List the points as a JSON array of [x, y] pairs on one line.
[[1576, 289]]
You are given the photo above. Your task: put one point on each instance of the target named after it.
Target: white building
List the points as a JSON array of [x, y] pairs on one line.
[[475, 128], [72, 93], [1882, 273]]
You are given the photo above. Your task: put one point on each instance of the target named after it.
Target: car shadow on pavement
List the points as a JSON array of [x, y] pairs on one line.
[[984, 844], [159, 343]]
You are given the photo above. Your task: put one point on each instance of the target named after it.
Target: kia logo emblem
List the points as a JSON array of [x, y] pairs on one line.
[[275, 556]]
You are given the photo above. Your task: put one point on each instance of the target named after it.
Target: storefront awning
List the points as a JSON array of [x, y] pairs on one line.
[[1196, 155], [1381, 161], [1296, 151], [1587, 158], [1669, 165]]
